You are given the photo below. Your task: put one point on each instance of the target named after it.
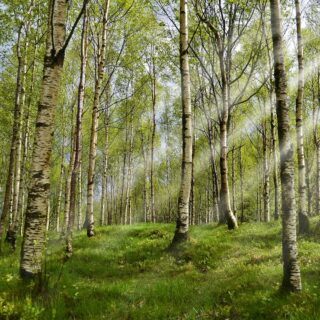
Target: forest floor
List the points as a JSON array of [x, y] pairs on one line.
[[125, 273]]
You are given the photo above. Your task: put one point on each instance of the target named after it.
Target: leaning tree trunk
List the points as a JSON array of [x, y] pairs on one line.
[[36, 213], [303, 213], [291, 271], [182, 225], [94, 124]]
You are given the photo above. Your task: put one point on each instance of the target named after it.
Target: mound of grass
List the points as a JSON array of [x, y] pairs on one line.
[[125, 273]]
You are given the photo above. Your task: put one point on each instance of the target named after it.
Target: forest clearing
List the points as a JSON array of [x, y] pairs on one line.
[[125, 273], [159, 159]]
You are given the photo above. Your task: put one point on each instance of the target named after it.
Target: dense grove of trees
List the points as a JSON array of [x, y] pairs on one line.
[[94, 96]]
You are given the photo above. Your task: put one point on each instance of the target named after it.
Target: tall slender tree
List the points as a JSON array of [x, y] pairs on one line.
[[291, 270], [182, 224], [75, 168], [303, 211], [95, 121], [36, 214]]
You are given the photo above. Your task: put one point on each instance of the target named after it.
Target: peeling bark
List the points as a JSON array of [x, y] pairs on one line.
[[36, 214]]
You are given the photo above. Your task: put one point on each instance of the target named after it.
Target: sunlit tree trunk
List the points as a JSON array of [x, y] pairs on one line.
[[316, 140], [266, 179], [36, 213], [233, 181], [182, 225], [60, 187], [8, 195], [14, 223], [94, 124], [80, 196], [104, 202], [225, 203], [68, 219], [241, 185], [318, 179], [153, 136], [124, 176], [26, 145], [291, 270], [77, 144], [192, 201], [146, 210], [308, 184], [302, 213], [215, 188], [127, 215], [168, 163], [275, 161]]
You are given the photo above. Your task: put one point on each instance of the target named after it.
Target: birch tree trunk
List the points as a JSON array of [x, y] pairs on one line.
[[7, 202], [291, 271], [275, 161], [266, 179], [304, 226], [241, 185], [104, 203], [153, 136], [193, 182], [94, 124], [13, 226], [26, 145], [127, 219], [76, 152], [36, 213], [233, 181], [225, 204], [215, 188], [318, 180], [60, 187], [182, 225], [80, 196]]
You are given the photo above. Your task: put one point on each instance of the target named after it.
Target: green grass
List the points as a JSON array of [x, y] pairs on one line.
[[125, 273]]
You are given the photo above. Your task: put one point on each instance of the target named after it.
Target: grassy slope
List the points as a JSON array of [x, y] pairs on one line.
[[124, 273]]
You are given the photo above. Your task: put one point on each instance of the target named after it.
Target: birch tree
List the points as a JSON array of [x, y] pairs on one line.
[[36, 213], [302, 213], [95, 122], [182, 224], [291, 270]]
